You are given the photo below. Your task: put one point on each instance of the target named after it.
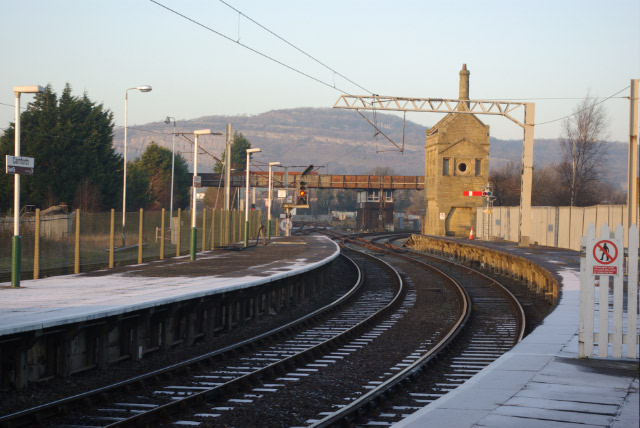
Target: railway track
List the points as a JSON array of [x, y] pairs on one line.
[[347, 367], [496, 323], [280, 355]]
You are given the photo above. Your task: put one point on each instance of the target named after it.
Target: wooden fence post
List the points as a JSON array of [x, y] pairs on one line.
[[140, 237], [213, 228], [204, 229], [162, 235], [178, 233]]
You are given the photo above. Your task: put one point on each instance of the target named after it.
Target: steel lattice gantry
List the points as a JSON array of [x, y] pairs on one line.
[[465, 106]]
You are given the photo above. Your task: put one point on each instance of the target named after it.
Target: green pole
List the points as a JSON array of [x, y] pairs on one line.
[[269, 229], [194, 236], [15, 261], [246, 233]]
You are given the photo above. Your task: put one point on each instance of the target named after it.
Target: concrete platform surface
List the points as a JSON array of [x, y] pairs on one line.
[[541, 383], [59, 300]]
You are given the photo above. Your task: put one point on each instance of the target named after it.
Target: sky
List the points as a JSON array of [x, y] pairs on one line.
[[552, 53]]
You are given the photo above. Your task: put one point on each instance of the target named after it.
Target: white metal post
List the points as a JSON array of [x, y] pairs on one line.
[[173, 160], [144, 88], [246, 204], [124, 182], [16, 246], [194, 230], [271, 164], [227, 171], [195, 173], [632, 194], [527, 175], [246, 199], [16, 177]]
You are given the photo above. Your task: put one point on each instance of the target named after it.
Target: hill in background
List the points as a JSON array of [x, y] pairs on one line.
[[340, 140]]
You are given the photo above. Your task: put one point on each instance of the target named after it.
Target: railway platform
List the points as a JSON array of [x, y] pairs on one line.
[[541, 382], [64, 324]]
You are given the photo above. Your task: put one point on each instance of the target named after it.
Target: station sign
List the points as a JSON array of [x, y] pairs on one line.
[[19, 165], [197, 181], [282, 193], [604, 258]]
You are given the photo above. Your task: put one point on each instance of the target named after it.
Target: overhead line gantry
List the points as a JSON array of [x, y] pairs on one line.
[[465, 106]]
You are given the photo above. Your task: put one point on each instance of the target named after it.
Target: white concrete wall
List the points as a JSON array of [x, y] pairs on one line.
[[56, 226], [560, 227]]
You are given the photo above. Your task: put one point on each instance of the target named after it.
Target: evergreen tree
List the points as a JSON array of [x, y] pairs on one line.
[[152, 178], [138, 186], [239, 148], [71, 141]]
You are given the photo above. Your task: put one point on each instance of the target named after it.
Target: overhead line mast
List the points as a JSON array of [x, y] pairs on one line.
[[465, 106]]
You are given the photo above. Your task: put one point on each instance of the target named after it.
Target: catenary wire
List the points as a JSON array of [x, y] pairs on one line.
[[584, 109], [249, 48], [295, 47]]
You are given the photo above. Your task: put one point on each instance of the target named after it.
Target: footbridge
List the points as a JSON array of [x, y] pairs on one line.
[[319, 181]]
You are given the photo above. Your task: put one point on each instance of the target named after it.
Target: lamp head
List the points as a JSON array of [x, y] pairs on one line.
[[249, 151], [202, 132], [274, 163], [144, 88], [167, 120], [31, 89]]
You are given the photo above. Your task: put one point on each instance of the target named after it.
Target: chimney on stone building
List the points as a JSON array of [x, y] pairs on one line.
[[464, 83]]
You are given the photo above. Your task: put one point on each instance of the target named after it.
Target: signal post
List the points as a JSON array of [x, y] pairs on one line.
[[301, 199]]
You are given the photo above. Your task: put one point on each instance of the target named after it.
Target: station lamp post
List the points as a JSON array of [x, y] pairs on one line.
[[246, 199], [271, 164], [194, 230], [16, 253], [143, 88]]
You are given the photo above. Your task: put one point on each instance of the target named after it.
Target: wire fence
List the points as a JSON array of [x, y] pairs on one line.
[[79, 242]]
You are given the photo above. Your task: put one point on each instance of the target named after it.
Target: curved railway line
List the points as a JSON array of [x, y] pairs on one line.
[[410, 329], [496, 323]]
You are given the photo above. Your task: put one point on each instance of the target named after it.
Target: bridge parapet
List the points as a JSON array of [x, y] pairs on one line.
[[537, 278]]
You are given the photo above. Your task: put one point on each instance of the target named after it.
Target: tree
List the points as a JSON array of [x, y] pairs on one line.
[[149, 180], [547, 188], [239, 148], [214, 198], [71, 140], [583, 149], [506, 184], [138, 189], [381, 171], [88, 197]]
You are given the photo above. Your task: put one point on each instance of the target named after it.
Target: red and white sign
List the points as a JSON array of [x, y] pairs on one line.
[[472, 193], [605, 258]]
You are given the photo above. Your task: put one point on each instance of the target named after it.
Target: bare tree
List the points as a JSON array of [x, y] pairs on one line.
[[88, 197], [547, 188], [583, 149], [506, 183]]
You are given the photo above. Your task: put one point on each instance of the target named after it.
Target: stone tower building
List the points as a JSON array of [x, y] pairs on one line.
[[457, 160]]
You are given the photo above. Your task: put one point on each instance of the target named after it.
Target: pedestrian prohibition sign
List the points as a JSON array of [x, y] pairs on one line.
[[605, 254]]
